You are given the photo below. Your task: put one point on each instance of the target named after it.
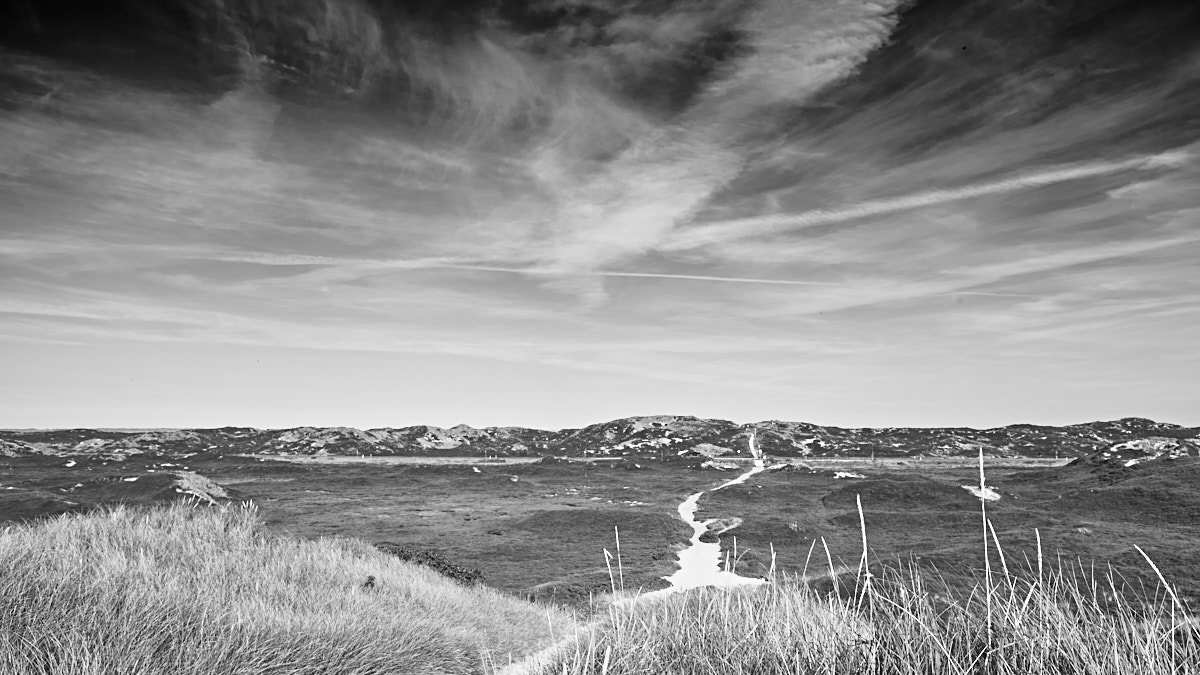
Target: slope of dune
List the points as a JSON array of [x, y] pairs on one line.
[[192, 590]]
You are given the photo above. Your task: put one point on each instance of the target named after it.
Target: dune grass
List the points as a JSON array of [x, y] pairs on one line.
[[188, 589], [898, 623], [901, 620]]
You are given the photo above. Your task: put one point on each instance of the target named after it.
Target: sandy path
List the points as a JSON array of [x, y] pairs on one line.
[[699, 567]]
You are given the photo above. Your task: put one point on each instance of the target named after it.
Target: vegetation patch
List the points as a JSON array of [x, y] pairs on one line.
[[433, 560]]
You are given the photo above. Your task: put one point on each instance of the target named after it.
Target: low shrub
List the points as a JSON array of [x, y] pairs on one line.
[[433, 560]]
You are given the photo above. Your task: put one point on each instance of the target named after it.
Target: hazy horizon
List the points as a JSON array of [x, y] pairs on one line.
[[549, 214]]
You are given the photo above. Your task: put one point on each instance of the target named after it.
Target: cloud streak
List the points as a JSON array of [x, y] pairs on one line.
[[729, 230], [533, 271]]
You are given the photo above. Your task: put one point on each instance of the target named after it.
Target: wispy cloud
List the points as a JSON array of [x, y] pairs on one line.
[[715, 233], [666, 174]]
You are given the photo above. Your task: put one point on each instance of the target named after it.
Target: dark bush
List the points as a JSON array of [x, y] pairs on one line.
[[433, 560]]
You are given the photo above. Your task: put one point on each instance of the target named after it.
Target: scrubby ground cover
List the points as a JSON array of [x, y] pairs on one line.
[[182, 589], [920, 513], [543, 535]]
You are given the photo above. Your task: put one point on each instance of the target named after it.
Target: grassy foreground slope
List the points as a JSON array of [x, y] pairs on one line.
[[893, 625], [1027, 617], [184, 589]]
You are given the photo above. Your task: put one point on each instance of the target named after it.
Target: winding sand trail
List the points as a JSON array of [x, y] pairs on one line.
[[699, 567], [700, 562]]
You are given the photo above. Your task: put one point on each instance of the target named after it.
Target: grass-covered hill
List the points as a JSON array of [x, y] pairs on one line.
[[183, 589]]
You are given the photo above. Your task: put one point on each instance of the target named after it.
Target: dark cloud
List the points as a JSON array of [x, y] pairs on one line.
[[419, 59], [956, 69], [964, 92]]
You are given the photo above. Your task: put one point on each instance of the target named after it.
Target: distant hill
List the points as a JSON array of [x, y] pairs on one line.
[[663, 436]]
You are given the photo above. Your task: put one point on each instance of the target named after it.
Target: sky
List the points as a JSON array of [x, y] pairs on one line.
[[553, 213]]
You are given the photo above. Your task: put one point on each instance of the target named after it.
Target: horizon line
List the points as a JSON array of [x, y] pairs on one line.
[[140, 429]]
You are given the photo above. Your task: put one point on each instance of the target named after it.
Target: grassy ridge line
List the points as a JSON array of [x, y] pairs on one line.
[[186, 590]]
